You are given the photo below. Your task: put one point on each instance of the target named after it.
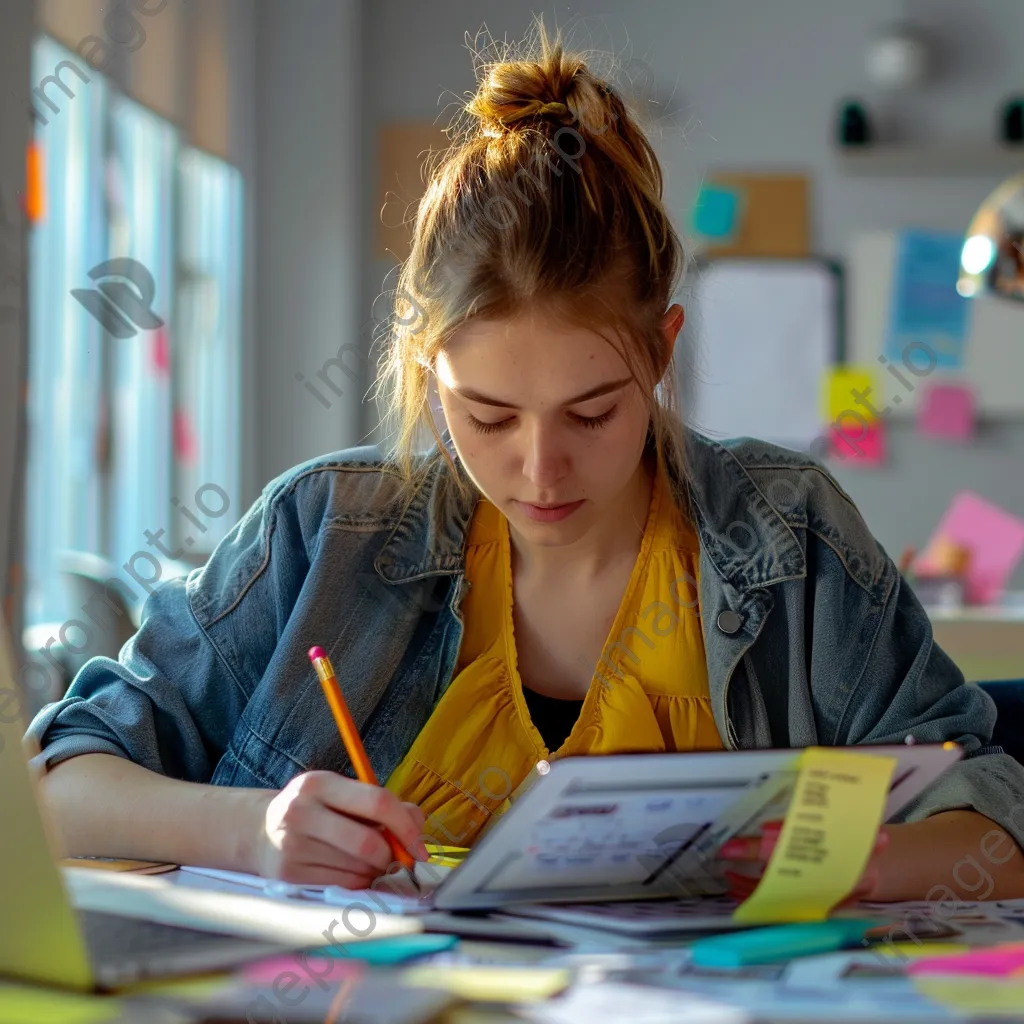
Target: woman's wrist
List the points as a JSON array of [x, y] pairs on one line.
[[246, 834], [954, 855]]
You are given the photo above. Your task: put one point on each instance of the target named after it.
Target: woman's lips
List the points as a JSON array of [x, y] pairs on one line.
[[549, 515]]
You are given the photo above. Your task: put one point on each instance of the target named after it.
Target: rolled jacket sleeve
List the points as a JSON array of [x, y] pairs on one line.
[[170, 702], [152, 705], [927, 698]]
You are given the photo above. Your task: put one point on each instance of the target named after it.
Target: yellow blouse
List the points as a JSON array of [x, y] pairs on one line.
[[649, 692]]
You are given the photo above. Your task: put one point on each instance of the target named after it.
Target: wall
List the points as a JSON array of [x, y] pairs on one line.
[[308, 224], [756, 84]]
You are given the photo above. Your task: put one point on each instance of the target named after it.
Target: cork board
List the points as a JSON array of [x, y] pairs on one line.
[[402, 150], [775, 220]]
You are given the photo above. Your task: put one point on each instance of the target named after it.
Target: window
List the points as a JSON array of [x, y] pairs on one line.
[[133, 392]]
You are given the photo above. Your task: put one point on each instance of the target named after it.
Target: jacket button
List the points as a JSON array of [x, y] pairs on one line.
[[729, 622]]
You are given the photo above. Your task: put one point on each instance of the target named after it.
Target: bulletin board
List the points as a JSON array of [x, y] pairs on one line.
[[403, 151], [759, 336], [994, 351], [775, 215]]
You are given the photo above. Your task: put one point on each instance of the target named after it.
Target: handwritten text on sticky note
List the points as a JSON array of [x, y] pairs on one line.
[[827, 838]]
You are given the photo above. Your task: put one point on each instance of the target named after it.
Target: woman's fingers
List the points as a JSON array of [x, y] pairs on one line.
[[369, 803], [753, 848], [761, 847], [418, 817]]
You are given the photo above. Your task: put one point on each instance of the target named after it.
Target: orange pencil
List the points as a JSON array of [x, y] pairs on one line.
[[354, 746]]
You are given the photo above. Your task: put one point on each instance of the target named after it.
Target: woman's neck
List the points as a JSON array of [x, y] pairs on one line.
[[616, 537]]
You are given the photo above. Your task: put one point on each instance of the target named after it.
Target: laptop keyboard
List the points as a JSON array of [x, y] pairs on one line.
[[123, 949]]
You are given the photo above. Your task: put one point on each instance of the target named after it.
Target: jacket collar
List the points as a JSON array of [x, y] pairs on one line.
[[743, 535]]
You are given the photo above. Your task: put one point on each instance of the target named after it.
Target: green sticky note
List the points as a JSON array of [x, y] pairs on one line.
[[393, 950], [23, 1005]]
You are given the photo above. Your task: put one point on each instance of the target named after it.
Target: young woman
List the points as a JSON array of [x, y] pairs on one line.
[[567, 570]]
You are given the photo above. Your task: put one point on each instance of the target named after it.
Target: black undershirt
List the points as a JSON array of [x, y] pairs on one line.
[[554, 717]]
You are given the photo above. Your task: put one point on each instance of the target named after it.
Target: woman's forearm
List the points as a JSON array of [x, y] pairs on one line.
[[955, 855], [107, 806]]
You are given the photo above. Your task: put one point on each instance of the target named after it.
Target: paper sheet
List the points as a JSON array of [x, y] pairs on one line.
[[154, 898], [994, 537], [393, 897], [638, 1004], [928, 316], [827, 837], [759, 335]]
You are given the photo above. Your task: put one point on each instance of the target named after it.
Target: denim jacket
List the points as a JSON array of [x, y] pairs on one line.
[[811, 635]]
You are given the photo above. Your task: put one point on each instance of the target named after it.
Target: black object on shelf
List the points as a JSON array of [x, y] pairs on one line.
[[854, 126], [1013, 121]]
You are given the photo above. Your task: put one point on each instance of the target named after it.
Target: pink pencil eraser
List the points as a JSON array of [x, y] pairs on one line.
[[316, 652]]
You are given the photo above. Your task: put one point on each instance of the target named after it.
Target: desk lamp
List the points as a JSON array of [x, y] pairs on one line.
[[992, 258]]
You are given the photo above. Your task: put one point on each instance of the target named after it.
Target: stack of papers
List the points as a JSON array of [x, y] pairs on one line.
[[394, 896]]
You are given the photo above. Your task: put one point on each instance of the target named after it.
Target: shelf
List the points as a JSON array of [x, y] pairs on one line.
[[932, 159]]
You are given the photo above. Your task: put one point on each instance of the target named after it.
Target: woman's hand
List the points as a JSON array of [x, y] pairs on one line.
[[324, 829], [752, 853]]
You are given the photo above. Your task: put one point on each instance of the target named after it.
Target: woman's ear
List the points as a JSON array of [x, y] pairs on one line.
[[671, 325]]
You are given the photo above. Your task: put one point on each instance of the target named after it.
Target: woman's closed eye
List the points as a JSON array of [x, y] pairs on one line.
[[590, 422]]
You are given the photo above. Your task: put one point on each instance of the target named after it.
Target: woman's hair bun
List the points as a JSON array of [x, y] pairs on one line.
[[554, 88]]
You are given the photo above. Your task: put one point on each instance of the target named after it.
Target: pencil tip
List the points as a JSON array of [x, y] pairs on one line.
[[414, 880]]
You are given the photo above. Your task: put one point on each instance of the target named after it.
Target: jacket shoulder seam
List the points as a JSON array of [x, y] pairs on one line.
[[273, 503]]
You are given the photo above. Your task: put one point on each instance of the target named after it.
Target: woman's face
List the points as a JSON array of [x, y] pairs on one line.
[[542, 413]]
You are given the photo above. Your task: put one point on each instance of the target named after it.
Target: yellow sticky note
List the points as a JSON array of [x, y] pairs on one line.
[[912, 951], [974, 995], [827, 837], [492, 984], [849, 391], [24, 1005]]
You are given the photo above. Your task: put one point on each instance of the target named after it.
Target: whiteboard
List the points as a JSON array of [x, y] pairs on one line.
[[994, 352], [760, 335]]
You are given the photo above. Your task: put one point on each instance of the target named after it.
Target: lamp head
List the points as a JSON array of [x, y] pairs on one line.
[[992, 258]]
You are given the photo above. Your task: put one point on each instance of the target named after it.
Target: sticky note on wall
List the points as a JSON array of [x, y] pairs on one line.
[[851, 391], [946, 412], [856, 428], [717, 212], [827, 838]]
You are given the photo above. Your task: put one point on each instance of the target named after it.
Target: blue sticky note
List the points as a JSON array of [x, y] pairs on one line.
[[927, 315], [716, 212], [779, 942], [393, 950]]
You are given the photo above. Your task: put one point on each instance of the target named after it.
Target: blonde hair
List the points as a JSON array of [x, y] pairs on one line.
[[550, 198]]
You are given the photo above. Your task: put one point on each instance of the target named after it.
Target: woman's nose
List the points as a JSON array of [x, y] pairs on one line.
[[545, 460]]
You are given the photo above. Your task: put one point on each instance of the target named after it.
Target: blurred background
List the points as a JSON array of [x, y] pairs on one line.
[[203, 203]]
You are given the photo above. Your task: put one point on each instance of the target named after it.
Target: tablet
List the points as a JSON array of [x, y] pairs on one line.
[[643, 826]]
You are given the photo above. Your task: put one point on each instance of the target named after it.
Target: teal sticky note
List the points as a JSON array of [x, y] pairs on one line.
[[393, 950], [779, 942], [717, 211]]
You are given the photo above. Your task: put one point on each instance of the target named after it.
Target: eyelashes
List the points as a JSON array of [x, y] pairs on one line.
[[589, 422]]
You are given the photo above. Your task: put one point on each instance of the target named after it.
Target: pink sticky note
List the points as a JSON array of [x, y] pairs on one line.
[[995, 539], [855, 444], [330, 968], [947, 412], [997, 962]]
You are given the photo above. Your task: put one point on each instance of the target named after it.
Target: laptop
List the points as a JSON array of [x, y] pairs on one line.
[[44, 939]]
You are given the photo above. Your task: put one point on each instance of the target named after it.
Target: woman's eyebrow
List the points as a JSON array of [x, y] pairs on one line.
[[594, 392]]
